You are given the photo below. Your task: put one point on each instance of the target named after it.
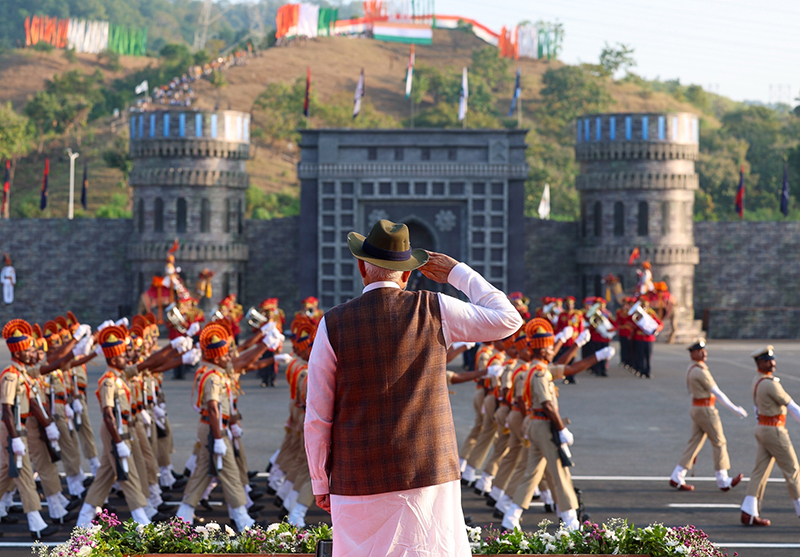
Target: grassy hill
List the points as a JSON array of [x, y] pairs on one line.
[[335, 65]]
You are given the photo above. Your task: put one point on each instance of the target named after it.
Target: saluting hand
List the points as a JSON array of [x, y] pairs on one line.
[[438, 267]]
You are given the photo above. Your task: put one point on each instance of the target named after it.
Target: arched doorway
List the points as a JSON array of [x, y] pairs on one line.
[[422, 238]]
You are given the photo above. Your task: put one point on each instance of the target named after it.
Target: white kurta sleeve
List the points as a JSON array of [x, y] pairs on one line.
[[319, 408], [489, 316]]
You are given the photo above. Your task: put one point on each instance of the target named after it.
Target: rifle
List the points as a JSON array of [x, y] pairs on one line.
[[121, 464], [14, 464], [53, 448], [563, 449]]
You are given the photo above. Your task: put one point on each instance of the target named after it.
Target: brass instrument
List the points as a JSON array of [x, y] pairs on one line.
[[255, 318], [642, 319], [176, 318], [599, 321], [216, 315]]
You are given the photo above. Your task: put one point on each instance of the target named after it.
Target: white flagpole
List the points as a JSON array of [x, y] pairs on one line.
[[72, 157]]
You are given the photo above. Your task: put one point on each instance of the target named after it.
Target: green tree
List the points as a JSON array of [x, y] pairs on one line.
[[616, 58], [119, 156], [16, 135], [44, 111]]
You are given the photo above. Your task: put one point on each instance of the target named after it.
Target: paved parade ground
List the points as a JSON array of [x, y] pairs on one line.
[[629, 434]]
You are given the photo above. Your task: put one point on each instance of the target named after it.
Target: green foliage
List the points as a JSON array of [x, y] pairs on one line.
[[70, 56], [111, 60], [16, 133], [119, 156], [118, 208], [218, 79], [43, 47], [267, 206], [616, 58]]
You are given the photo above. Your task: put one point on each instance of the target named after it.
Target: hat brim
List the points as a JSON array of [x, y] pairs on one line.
[[355, 242]]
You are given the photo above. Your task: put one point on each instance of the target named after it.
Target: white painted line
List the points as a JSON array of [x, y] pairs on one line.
[[657, 479], [212, 503], [28, 545], [703, 506], [758, 545]]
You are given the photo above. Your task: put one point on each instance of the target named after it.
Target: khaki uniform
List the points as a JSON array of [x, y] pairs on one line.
[[291, 441], [543, 453], [500, 447], [15, 391], [37, 441], [114, 393], [485, 352], [774, 444], [57, 394], [86, 433], [302, 480], [515, 384], [488, 430], [214, 386], [705, 419]]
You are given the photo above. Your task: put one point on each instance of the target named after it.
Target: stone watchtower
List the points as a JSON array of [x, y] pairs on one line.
[[189, 182], [637, 184]]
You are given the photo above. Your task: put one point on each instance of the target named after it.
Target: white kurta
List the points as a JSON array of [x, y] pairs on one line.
[[9, 278], [423, 522]]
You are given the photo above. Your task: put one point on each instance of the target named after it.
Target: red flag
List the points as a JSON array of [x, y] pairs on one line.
[[175, 246], [308, 92], [740, 195], [634, 256], [6, 187], [43, 198]]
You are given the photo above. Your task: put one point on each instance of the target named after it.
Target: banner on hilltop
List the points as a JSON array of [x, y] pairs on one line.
[[81, 35]]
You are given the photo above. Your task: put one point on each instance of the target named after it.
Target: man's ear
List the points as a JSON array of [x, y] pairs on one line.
[[362, 269]]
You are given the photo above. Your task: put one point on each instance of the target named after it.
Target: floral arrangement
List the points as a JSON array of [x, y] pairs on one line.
[[615, 538], [108, 537]]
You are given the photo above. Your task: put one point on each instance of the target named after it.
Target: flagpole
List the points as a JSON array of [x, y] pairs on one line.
[[72, 157]]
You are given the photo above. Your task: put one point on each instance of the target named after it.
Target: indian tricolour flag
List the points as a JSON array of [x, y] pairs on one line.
[[419, 33]]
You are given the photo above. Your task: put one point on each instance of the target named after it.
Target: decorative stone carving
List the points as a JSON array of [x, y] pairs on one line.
[[445, 220], [376, 215]]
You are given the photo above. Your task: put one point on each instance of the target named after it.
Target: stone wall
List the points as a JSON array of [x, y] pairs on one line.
[[273, 268], [750, 267], [61, 265], [551, 264]]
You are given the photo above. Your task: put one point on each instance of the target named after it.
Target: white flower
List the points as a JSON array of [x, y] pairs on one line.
[[202, 530], [272, 527], [213, 527], [230, 531], [284, 535], [474, 534], [547, 537], [549, 548], [93, 529], [682, 549], [84, 551], [672, 543], [524, 544]]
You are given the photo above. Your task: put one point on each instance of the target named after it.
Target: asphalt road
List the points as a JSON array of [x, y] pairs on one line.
[[629, 434]]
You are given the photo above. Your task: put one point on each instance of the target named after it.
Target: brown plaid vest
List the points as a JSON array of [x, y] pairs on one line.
[[392, 423]]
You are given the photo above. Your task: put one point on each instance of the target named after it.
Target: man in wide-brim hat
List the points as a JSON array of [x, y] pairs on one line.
[[385, 462]]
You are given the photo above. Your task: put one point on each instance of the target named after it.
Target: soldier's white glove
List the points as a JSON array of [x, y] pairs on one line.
[[105, 324], [18, 446], [466, 345], [794, 409], [741, 412], [495, 371], [283, 358], [159, 412], [272, 336], [123, 321], [82, 331], [236, 430], [605, 353], [191, 357], [564, 334], [69, 412], [146, 418], [565, 436], [84, 346], [77, 406], [220, 447], [181, 344], [52, 432], [194, 328], [123, 451], [583, 338]]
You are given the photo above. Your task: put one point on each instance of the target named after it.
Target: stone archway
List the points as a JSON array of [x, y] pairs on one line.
[[421, 237]]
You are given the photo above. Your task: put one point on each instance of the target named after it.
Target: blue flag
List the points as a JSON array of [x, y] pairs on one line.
[[785, 192], [517, 94]]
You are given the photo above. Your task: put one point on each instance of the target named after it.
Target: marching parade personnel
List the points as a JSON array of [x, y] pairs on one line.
[[541, 398], [485, 353], [16, 405], [772, 403], [569, 317], [215, 457], [625, 328], [705, 422], [643, 339], [602, 331], [116, 462]]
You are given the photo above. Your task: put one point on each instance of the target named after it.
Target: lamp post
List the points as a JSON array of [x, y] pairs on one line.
[[72, 157]]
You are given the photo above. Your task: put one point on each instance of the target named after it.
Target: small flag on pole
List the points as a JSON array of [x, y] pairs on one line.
[[544, 204], [308, 92], [410, 72], [784, 192], [359, 95], [43, 199], [143, 87], [464, 99], [740, 195], [634, 256], [515, 98], [84, 186], [6, 187]]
